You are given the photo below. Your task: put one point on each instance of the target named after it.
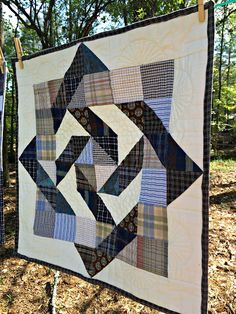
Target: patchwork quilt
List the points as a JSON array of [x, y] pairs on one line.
[[2, 96], [113, 159]]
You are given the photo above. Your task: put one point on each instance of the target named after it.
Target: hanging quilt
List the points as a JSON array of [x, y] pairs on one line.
[[113, 159], [3, 77]]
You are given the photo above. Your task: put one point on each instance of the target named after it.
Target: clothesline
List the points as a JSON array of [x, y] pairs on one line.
[[218, 5]]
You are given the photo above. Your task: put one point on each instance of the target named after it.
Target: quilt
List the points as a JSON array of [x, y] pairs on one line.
[[3, 77], [113, 159]]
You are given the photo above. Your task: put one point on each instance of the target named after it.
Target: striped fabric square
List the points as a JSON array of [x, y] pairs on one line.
[[126, 85], [152, 222], [86, 156], [162, 108], [44, 223], [46, 147], [97, 89], [65, 227], [158, 79], [85, 231], [129, 253], [105, 150], [153, 187]]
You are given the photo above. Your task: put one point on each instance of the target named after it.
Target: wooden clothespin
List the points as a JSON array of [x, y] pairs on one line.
[[2, 60], [19, 52], [201, 11]]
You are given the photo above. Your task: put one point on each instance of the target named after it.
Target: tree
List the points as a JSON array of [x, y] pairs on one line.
[[57, 21]]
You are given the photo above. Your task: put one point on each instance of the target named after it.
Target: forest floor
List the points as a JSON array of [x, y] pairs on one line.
[[27, 287]]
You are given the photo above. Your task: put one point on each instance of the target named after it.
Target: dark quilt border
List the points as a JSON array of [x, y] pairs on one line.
[[206, 152], [206, 159], [2, 121]]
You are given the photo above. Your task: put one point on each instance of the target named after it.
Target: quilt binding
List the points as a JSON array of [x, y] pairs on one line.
[[206, 151], [2, 220]]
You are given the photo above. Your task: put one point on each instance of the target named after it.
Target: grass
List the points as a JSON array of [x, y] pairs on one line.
[[225, 165]]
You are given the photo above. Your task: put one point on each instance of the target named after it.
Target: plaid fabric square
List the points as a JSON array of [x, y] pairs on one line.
[[31, 165], [126, 85], [152, 255], [41, 96], [57, 92], [44, 122], [178, 182], [85, 231], [44, 223], [162, 108], [46, 93], [103, 215], [97, 89], [102, 231], [153, 187], [46, 147], [126, 176], [65, 227], [152, 222], [158, 79]]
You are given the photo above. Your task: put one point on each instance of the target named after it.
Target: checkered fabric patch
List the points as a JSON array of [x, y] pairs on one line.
[[158, 79], [126, 85], [98, 89], [46, 147], [152, 222], [152, 255]]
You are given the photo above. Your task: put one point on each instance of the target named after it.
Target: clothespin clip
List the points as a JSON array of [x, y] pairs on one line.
[[2, 60], [201, 11], [19, 52]]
